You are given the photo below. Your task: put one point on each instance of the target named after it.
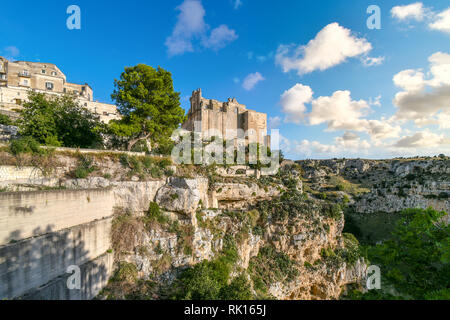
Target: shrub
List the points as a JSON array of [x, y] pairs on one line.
[[154, 213], [271, 266], [5, 120], [85, 166], [415, 261], [24, 145], [208, 280]]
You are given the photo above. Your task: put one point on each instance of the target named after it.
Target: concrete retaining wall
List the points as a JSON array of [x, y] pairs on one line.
[[94, 276], [37, 261], [28, 214]]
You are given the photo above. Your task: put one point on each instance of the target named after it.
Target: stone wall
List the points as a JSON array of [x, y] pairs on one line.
[[7, 132], [13, 173], [94, 277], [27, 214], [33, 262]]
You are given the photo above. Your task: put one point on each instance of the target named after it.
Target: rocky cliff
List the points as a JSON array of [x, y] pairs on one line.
[[284, 232]]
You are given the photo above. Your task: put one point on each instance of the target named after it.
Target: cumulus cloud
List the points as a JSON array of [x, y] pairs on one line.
[[351, 141], [219, 38], [191, 26], [252, 80], [338, 111], [409, 80], [442, 22], [274, 122], [293, 102], [425, 101], [382, 129], [414, 11], [340, 146], [423, 139], [439, 21], [333, 45]]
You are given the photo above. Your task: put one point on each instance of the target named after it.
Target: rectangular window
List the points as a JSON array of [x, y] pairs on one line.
[[54, 73], [49, 85], [43, 72]]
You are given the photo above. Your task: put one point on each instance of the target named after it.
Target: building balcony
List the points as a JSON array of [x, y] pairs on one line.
[[24, 74]]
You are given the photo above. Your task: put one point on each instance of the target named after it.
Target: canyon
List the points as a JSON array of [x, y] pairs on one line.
[[135, 225]]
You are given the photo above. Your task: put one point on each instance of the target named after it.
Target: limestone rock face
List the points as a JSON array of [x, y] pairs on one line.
[[136, 196], [238, 196], [182, 195]]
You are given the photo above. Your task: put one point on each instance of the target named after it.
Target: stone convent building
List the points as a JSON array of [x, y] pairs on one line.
[[18, 77], [211, 114]]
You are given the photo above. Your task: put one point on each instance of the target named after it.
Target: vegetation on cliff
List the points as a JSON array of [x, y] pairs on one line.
[[415, 260]]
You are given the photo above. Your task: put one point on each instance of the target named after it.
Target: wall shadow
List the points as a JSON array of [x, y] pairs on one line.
[[36, 268]]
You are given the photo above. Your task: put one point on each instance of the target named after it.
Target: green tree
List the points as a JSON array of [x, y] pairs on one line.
[[59, 121], [37, 119], [149, 106], [5, 120], [77, 126]]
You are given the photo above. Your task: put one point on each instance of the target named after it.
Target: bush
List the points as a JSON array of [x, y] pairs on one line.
[[85, 167], [271, 266], [208, 280], [24, 145], [154, 214], [5, 120], [415, 261]]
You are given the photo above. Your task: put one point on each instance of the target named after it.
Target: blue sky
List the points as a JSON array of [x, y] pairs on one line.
[[323, 77]]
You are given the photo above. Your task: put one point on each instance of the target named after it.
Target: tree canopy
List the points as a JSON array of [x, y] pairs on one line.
[[149, 106], [59, 121], [5, 120], [415, 261]]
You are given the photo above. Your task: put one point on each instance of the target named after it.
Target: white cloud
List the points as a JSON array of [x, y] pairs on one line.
[[425, 101], [237, 4], [410, 80], [351, 141], [414, 11], [190, 22], [293, 102], [442, 21], [339, 111], [373, 61], [274, 122], [340, 146], [219, 38], [331, 46], [439, 21], [382, 129], [191, 26], [252, 80], [423, 139]]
